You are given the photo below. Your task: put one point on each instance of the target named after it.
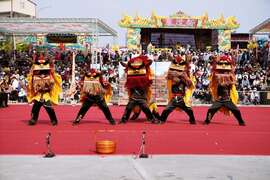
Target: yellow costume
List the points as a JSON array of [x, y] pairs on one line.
[[43, 89], [180, 88], [95, 91], [223, 90], [52, 95], [138, 85]]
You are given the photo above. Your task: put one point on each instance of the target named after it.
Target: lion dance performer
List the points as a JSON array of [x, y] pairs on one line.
[[223, 90], [43, 89], [180, 88], [95, 90], [138, 85]]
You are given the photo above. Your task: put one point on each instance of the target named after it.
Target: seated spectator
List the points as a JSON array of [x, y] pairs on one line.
[[255, 97], [245, 82], [257, 83]]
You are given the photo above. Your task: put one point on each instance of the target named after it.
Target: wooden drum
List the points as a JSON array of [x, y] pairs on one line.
[[105, 147]]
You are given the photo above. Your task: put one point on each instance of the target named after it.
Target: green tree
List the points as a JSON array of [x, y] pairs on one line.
[[6, 45]]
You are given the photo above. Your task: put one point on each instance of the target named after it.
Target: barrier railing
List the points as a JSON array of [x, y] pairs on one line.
[[199, 97]]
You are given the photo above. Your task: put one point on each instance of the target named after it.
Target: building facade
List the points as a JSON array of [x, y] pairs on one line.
[[17, 8]]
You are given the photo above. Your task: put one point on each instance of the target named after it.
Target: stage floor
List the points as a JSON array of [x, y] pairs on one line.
[[158, 167], [222, 137]]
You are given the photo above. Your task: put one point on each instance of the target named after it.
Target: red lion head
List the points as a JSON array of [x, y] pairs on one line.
[[223, 70], [138, 72], [223, 64]]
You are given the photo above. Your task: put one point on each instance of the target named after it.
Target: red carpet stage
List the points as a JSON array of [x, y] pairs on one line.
[[177, 136]]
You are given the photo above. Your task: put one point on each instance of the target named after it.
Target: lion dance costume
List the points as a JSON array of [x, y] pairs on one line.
[[223, 90], [138, 84], [180, 88], [43, 89], [95, 91]]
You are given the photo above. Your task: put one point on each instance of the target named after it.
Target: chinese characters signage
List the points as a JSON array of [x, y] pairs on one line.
[[185, 23]]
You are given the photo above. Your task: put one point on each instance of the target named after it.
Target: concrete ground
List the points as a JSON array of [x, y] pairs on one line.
[[157, 167]]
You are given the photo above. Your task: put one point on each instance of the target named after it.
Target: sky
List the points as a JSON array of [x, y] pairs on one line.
[[249, 13]]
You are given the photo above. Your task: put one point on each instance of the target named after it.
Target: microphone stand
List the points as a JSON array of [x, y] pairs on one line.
[[49, 153], [142, 153]]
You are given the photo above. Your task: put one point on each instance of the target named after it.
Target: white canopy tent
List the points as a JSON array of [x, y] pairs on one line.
[[80, 26]]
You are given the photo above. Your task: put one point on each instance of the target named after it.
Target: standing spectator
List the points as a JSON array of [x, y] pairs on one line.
[[244, 58], [22, 95], [14, 88], [4, 87], [79, 57], [246, 96], [252, 77], [265, 52], [263, 84]]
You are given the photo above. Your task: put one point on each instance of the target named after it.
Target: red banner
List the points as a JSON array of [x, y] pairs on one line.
[[186, 23]]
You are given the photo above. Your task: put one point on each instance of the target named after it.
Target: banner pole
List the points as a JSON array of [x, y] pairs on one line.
[[73, 68]]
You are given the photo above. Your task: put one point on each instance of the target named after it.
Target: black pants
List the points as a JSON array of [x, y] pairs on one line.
[[137, 114], [138, 102], [227, 104], [13, 95], [48, 107], [98, 100], [174, 103], [3, 99]]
